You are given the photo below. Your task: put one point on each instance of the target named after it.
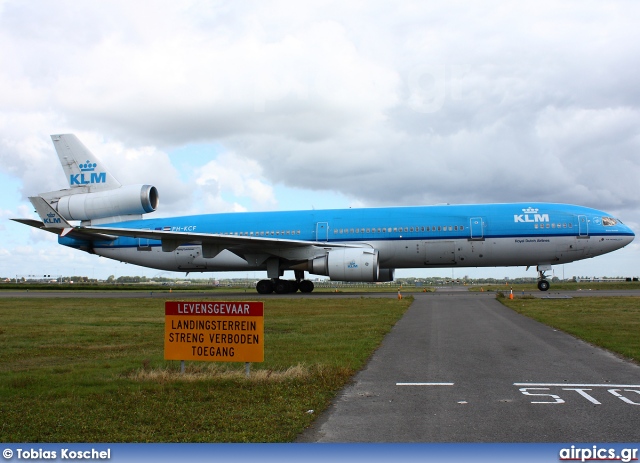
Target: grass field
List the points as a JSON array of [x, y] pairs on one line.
[[609, 322], [78, 370], [568, 286]]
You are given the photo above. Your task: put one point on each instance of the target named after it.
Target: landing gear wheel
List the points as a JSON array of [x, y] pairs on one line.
[[306, 286], [543, 285], [285, 286], [264, 287]]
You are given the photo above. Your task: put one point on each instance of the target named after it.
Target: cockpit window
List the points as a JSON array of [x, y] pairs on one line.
[[609, 221]]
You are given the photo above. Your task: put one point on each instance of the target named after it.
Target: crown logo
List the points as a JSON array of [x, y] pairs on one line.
[[51, 214], [88, 166], [530, 210]]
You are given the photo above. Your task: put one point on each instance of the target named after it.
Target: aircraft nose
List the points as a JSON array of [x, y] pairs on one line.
[[630, 237]]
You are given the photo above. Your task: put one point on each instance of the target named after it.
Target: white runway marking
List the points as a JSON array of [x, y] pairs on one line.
[[575, 385], [424, 384]]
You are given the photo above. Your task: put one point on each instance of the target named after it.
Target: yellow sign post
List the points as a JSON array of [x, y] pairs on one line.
[[214, 331]]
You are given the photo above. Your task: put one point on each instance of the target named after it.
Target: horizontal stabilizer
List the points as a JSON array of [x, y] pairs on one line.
[[70, 232], [50, 217]]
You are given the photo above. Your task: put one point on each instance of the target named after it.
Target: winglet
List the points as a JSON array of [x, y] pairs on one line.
[[50, 218]]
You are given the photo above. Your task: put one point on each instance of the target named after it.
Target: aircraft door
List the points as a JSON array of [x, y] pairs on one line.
[[583, 226], [477, 228], [322, 231]]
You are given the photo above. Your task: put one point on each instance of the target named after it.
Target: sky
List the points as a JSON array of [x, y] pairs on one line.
[[282, 105]]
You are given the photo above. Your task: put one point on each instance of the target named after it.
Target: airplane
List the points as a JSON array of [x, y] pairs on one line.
[[354, 245]]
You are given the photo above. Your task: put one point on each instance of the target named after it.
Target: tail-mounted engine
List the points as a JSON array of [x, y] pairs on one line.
[[129, 200]]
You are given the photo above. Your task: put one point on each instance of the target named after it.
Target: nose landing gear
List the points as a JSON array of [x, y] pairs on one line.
[[543, 284]]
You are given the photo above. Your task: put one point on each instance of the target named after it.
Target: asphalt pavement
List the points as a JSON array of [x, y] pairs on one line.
[[460, 367]]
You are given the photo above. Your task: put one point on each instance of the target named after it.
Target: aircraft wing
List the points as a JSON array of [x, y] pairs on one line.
[[212, 244]]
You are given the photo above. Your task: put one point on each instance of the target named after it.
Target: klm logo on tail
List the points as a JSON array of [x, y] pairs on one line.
[[530, 215], [88, 176]]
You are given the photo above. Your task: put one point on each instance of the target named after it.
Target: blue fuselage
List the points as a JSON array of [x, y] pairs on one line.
[[405, 237]]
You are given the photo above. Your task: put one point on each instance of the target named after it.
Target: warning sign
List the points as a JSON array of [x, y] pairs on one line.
[[214, 331]]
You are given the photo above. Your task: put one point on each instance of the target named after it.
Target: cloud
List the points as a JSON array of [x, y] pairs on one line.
[[173, 75], [240, 177]]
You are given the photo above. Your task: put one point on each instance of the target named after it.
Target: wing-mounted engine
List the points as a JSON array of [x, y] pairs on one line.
[[347, 264], [386, 274], [124, 203]]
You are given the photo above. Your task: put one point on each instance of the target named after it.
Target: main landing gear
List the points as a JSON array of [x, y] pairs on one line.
[[283, 286]]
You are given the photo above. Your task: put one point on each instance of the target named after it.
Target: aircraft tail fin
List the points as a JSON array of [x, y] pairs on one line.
[[82, 168]]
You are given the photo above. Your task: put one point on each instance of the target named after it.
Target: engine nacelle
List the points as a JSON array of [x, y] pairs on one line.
[[386, 274], [123, 201], [347, 264]]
